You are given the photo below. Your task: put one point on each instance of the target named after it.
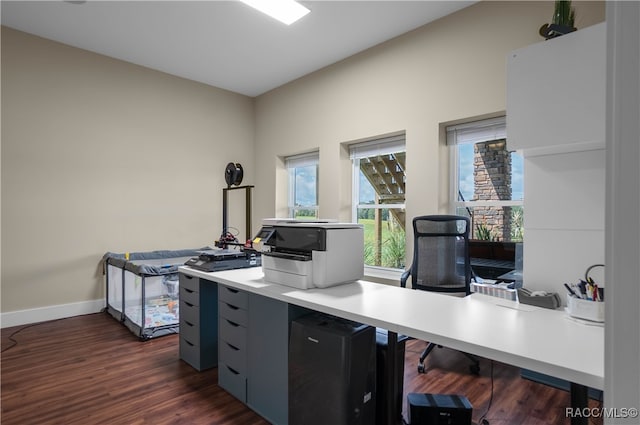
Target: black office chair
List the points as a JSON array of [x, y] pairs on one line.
[[440, 263]]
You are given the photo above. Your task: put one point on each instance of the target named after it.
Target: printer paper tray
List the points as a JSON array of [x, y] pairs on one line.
[[288, 279], [294, 273]]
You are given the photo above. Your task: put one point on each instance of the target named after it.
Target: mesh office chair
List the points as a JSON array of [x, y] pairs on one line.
[[440, 262]]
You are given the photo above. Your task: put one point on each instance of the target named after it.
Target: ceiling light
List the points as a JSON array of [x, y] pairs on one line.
[[285, 11]]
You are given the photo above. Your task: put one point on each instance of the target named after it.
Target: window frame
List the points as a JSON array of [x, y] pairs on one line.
[[381, 145], [472, 132], [293, 162]]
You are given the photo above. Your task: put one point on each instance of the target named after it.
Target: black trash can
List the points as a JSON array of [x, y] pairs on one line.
[[332, 371]]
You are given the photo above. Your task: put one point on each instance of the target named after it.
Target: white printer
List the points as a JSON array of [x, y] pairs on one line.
[[308, 254]]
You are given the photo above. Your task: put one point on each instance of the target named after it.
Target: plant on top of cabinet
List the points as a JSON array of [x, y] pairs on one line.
[[562, 22]]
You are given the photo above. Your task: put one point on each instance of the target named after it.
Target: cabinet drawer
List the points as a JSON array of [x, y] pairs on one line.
[[233, 333], [189, 331], [189, 313], [233, 381], [190, 296], [233, 296], [190, 353], [235, 314], [189, 282], [233, 357]]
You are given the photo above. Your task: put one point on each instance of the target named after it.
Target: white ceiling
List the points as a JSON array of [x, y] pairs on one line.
[[225, 44]]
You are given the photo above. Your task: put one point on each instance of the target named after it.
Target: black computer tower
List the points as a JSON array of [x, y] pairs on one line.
[[332, 372]]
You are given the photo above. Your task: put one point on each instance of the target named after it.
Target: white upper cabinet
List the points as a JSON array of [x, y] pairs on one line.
[[556, 94]]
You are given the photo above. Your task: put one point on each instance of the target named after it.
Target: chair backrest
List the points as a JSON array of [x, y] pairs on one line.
[[441, 254]]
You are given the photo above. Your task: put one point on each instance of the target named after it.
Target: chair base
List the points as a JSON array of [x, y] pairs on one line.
[[474, 368]]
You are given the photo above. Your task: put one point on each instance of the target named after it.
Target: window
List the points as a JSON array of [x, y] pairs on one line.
[[303, 185], [379, 197], [487, 180]]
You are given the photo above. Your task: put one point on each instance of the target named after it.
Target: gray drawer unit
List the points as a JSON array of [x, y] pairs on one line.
[[198, 317], [233, 320], [253, 350]]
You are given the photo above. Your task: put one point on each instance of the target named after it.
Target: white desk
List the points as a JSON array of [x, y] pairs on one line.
[[541, 340]]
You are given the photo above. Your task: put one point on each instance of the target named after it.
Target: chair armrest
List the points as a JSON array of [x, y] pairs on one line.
[[403, 278]]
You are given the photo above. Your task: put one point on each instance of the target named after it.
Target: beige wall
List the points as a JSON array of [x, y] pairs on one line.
[[101, 155], [452, 69]]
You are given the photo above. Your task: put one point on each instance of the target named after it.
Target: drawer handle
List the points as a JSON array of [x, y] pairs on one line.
[[233, 347], [188, 290], [235, 291], [189, 304], [232, 307], [235, 325], [188, 323], [187, 276], [188, 343], [235, 372]]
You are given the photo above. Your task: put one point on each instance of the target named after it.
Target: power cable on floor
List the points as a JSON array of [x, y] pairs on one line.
[[31, 325], [17, 331], [483, 420]]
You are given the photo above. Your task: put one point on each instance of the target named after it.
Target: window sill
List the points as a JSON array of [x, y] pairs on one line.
[[383, 275]]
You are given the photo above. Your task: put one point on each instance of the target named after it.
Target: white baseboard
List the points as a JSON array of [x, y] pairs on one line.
[[42, 314]]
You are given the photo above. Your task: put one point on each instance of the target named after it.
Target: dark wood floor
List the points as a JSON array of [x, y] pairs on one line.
[[91, 370]]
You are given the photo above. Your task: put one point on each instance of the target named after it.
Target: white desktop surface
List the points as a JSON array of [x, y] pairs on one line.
[[542, 340]]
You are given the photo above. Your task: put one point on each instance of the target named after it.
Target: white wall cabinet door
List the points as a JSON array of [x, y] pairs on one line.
[[556, 93]]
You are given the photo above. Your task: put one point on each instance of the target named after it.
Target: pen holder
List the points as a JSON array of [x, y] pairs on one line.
[[585, 309]]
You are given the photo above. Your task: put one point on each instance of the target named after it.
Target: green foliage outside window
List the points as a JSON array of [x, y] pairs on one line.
[[483, 233], [517, 224], [305, 215], [392, 243]]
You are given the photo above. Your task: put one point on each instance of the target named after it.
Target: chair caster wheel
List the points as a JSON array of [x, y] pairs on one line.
[[421, 368], [474, 369]]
